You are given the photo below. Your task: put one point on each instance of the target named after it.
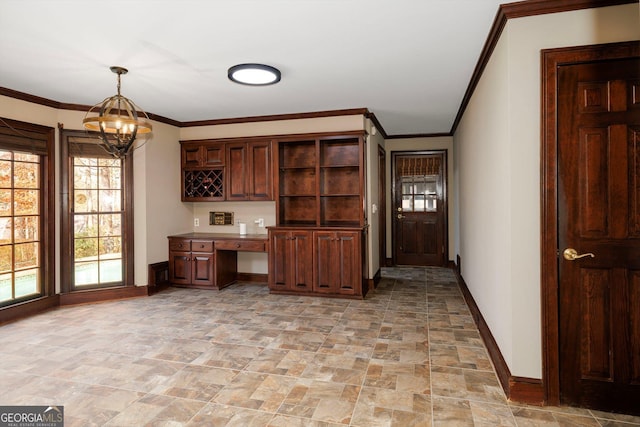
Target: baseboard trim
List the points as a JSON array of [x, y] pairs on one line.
[[517, 389], [526, 390], [101, 295], [28, 308], [253, 277], [373, 283]]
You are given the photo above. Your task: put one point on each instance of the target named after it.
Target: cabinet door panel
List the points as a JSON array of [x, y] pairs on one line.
[[278, 259], [326, 261], [260, 185], [202, 269], [191, 155], [213, 155], [180, 267], [237, 174], [302, 248], [349, 256]]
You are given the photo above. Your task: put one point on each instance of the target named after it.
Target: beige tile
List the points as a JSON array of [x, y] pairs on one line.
[[399, 376], [466, 384], [196, 382], [460, 357], [321, 401], [214, 414], [382, 407], [251, 390], [409, 354]]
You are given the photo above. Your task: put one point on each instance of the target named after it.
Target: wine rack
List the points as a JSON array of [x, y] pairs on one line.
[[200, 184]]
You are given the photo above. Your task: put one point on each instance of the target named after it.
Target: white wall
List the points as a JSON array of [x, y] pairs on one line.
[[422, 144], [497, 149]]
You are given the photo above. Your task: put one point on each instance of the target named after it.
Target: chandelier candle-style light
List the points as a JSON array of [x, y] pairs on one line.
[[117, 120]]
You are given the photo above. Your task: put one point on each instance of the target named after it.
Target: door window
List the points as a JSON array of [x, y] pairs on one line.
[[419, 193]]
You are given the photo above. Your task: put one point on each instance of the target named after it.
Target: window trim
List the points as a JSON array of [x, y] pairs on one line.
[[66, 227]]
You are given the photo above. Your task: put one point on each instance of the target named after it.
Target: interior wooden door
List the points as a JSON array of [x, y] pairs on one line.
[[599, 218], [419, 208]]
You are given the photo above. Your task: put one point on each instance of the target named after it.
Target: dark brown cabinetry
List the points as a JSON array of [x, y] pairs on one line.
[[202, 171], [338, 262], [226, 169], [316, 261], [249, 170], [319, 195], [320, 181], [209, 260], [191, 262], [291, 266]]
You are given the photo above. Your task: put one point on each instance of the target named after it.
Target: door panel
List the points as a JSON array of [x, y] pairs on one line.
[[419, 210], [278, 257], [302, 260], [180, 267], [598, 177], [326, 262], [202, 269]]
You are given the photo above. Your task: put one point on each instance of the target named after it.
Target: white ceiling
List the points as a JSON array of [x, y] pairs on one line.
[[407, 61]]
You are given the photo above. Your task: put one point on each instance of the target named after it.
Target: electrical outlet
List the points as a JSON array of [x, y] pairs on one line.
[[196, 222], [261, 222]]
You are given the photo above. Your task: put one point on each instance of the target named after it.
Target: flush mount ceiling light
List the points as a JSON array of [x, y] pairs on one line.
[[254, 74], [117, 121]]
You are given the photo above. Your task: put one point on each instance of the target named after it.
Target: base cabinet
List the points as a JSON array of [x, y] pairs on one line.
[[317, 262], [291, 266], [338, 262], [191, 262], [209, 260]]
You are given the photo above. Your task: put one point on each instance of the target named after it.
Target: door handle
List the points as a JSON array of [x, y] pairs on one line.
[[571, 254], [400, 216]]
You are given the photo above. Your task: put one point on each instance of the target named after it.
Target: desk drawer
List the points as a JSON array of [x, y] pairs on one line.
[[183, 245], [241, 245], [201, 246]]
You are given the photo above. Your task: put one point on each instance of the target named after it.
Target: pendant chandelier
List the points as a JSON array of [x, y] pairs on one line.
[[117, 120]]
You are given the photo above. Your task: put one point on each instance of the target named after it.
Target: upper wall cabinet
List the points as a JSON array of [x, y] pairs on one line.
[[320, 181], [226, 169], [202, 171], [249, 170]]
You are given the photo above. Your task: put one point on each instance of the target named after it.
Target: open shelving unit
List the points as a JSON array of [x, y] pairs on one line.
[[320, 181]]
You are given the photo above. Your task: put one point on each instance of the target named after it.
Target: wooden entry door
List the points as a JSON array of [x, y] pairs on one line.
[[419, 208], [599, 217]]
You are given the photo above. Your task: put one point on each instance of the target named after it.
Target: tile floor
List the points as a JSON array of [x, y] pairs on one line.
[[407, 355]]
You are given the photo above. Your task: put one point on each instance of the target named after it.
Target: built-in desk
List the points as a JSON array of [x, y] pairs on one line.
[[209, 260]]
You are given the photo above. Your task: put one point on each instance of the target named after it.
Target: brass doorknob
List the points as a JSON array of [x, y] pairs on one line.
[[571, 254]]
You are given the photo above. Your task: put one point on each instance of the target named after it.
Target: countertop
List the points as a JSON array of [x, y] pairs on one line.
[[221, 236]]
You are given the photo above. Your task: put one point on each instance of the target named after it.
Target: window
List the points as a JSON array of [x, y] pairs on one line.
[[97, 221], [420, 178], [97, 213], [26, 239], [20, 246]]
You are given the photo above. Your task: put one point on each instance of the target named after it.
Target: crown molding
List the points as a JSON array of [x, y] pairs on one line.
[[519, 10]]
